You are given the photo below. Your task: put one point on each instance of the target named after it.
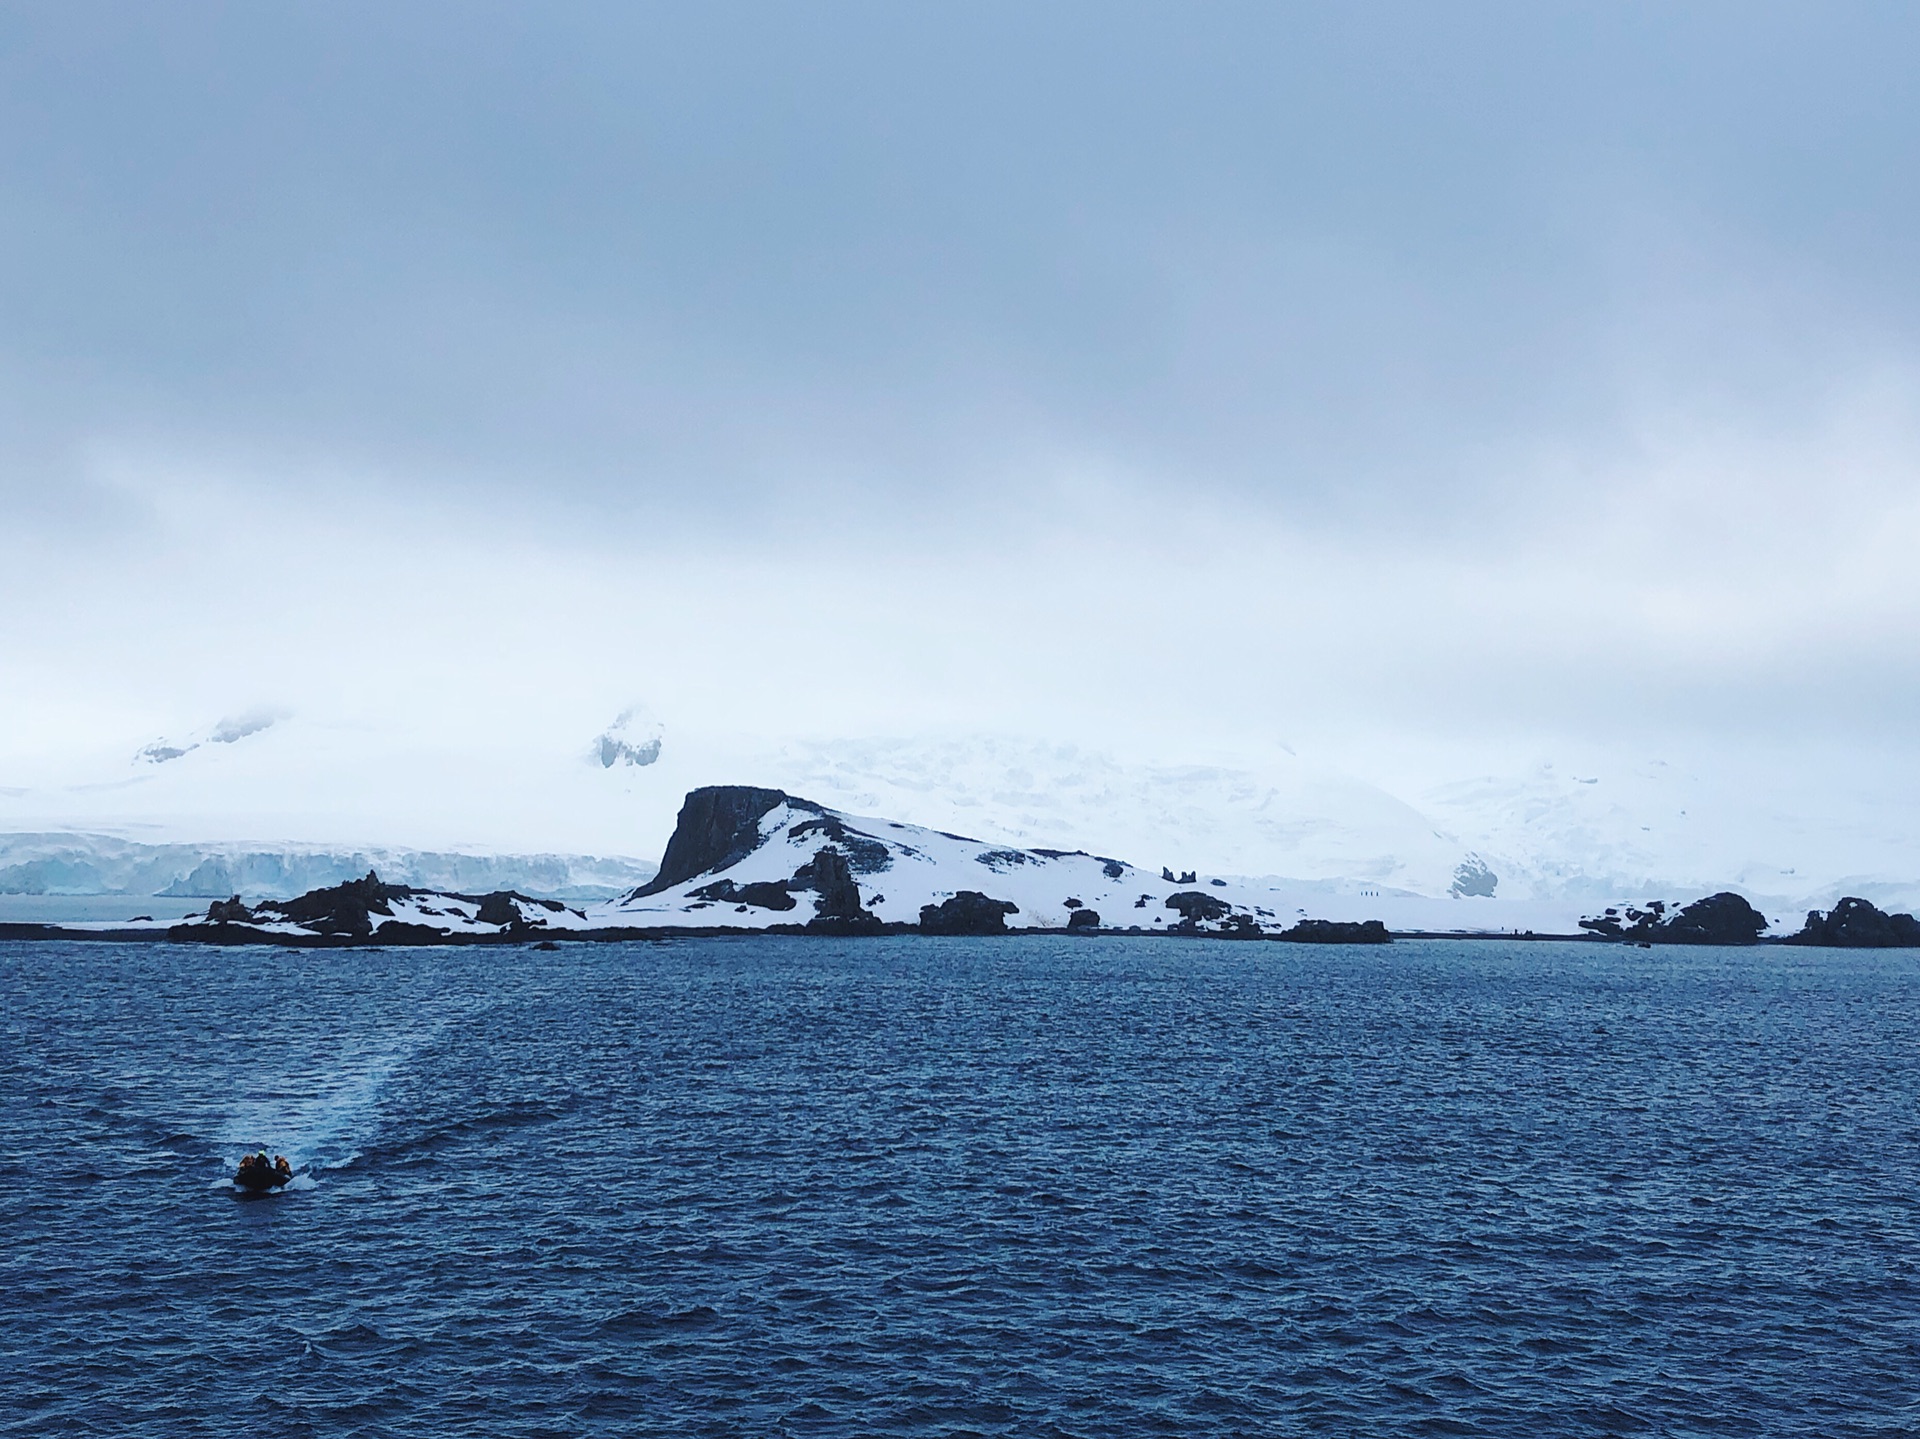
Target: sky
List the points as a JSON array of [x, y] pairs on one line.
[[1425, 389]]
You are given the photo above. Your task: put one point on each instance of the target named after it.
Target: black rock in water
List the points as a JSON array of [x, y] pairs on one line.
[[718, 826], [1858, 924], [970, 912]]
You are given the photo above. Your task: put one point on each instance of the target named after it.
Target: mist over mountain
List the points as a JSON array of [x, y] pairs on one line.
[[303, 803]]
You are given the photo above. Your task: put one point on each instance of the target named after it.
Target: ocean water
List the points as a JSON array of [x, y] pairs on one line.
[[944, 1187]]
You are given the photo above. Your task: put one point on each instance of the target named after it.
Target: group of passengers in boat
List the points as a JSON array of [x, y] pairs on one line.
[[256, 1171]]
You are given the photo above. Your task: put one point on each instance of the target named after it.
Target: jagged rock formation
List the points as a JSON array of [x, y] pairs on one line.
[[369, 910], [346, 908], [829, 875], [1724, 918], [1857, 924]]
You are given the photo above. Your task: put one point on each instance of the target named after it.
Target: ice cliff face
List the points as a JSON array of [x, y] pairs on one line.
[[89, 864]]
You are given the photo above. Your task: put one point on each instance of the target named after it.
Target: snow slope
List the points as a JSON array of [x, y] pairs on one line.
[[901, 867]]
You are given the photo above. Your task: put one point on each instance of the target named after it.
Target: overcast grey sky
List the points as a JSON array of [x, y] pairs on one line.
[[1392, 374]]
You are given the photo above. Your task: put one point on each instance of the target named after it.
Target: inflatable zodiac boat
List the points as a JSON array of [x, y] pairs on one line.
[[257, 1176]]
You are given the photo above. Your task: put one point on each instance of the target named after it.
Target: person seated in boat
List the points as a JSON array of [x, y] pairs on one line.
[[280, 1166]]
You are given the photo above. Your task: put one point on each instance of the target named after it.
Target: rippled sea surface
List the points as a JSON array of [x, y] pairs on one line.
[[905, 1186]]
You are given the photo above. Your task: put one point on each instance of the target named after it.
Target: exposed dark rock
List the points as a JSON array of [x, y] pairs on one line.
[[968, 912], [840, 911], [339, 909], [497, 908], [612, 751], [1218, 883], [1084, 919], [1194, 906], [1167, 875], [1472, 879], [1337, 931], [865, 855], [719, 825], [1074, 903], [230, 911], [1633, 924], [1723, 918], [766, 894], [1112, 868], [400, 931], [1002, 860], [1858, 924]]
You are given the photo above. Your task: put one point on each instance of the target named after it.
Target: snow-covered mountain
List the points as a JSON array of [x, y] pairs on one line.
[[1531, 845], [751, 858]]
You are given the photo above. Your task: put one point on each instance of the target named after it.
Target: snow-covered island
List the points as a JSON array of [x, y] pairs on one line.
[[743, 858], [761, 860]]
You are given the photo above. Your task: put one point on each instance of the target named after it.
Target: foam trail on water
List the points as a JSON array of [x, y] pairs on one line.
[[318, 1114]]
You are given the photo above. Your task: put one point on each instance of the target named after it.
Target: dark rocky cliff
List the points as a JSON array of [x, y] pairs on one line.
[[719, 825]]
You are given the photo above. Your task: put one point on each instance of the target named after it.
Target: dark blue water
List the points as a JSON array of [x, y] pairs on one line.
[[1026, 1187]]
